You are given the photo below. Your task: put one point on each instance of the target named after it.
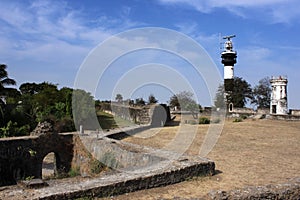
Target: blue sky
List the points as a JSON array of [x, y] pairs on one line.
[[49, 40]]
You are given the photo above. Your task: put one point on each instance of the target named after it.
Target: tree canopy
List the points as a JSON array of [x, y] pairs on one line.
[[184, 101], [22, 109], [140, 102], [220, 101], [4, 80], [262, 93], [5, 93], [119, 98], [152, 99], [240, 95]]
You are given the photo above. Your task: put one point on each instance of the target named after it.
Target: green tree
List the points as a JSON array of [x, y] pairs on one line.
[[43, 101], [47, 96], [220, 98], [174, 102], [184, 101], [66, 95], [119, 98], [29, 88], [262, 93], [83, 107], [140, 102], [12, 96], [4, 93], [241, 93], [4, 80], [10, 114], [9, 130], [152, 99]]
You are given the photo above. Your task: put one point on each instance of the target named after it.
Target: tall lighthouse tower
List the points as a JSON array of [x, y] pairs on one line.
[[228, 60]]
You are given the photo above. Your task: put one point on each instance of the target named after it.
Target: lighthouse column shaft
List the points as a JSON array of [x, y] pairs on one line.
[[228, 72], [228, 60]]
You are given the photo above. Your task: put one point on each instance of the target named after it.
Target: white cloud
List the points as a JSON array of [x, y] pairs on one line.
[[47, 21], [51, 35], [255, 53], [277, 11]]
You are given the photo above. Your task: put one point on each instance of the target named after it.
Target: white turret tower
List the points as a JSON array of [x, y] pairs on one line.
[[278, 103]]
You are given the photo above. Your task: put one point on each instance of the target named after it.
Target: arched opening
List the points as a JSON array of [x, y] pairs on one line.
[[49, 166]]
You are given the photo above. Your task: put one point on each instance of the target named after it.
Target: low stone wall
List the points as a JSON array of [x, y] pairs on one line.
[[248, 111], [290, 190], [134, 114], [120, 155], [154, 114], [295, 112], [284, 117], [116, 183]]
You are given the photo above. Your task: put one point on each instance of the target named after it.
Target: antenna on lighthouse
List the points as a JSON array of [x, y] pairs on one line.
[[221, 43], [228, 44], [228, 37]]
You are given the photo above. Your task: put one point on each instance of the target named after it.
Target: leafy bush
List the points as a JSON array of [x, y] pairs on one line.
[[238, 120], [74, 172], [29, 178], [244, 116], [11, 129], [204, 120], [24, 130], [66, 124]]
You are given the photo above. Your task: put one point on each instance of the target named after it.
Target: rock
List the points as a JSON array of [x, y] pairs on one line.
[[33, 183], [42, 128]]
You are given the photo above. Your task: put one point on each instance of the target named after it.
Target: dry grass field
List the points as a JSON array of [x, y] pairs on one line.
[[248, 153]]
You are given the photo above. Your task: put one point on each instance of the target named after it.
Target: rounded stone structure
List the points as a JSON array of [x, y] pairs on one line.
[[278, 105]]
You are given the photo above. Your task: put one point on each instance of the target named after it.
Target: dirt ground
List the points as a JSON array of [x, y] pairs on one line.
[[248, 153]]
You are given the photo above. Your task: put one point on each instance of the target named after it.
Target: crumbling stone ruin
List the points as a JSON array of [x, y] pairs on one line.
[[42, 128]]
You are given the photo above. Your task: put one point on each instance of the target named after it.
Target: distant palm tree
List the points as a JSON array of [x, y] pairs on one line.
[[4, 81]]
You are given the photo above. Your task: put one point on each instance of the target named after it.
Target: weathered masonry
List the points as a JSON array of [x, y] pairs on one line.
[[279, 104], [22, 157]]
